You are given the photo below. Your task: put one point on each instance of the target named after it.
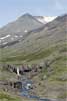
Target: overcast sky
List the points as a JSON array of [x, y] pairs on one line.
[[11, 9]]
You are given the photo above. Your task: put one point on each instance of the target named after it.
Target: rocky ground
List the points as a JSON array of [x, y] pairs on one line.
[[42, 86]]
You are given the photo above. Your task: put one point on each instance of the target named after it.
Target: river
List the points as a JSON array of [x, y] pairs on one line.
[[25, 91]]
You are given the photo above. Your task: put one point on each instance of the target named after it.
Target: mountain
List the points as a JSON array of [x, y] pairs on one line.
[[15, 30], [45, 19], [36, 41]]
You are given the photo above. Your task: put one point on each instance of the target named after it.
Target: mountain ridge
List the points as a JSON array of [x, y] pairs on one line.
[[17, 36]]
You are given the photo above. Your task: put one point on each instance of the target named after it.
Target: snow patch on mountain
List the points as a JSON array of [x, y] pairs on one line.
[[45, 19], [5, 37]]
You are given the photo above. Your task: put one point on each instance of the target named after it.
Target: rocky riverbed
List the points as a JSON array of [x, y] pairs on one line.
[[29, 83]]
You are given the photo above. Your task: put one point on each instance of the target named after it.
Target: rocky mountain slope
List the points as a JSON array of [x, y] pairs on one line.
[[15, 30], [36, 41]]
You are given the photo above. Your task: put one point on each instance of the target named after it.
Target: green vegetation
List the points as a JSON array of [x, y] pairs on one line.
[[56, 53], [30, 56], [7, 97], [63, 96], [4, 96], [59, 69]]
